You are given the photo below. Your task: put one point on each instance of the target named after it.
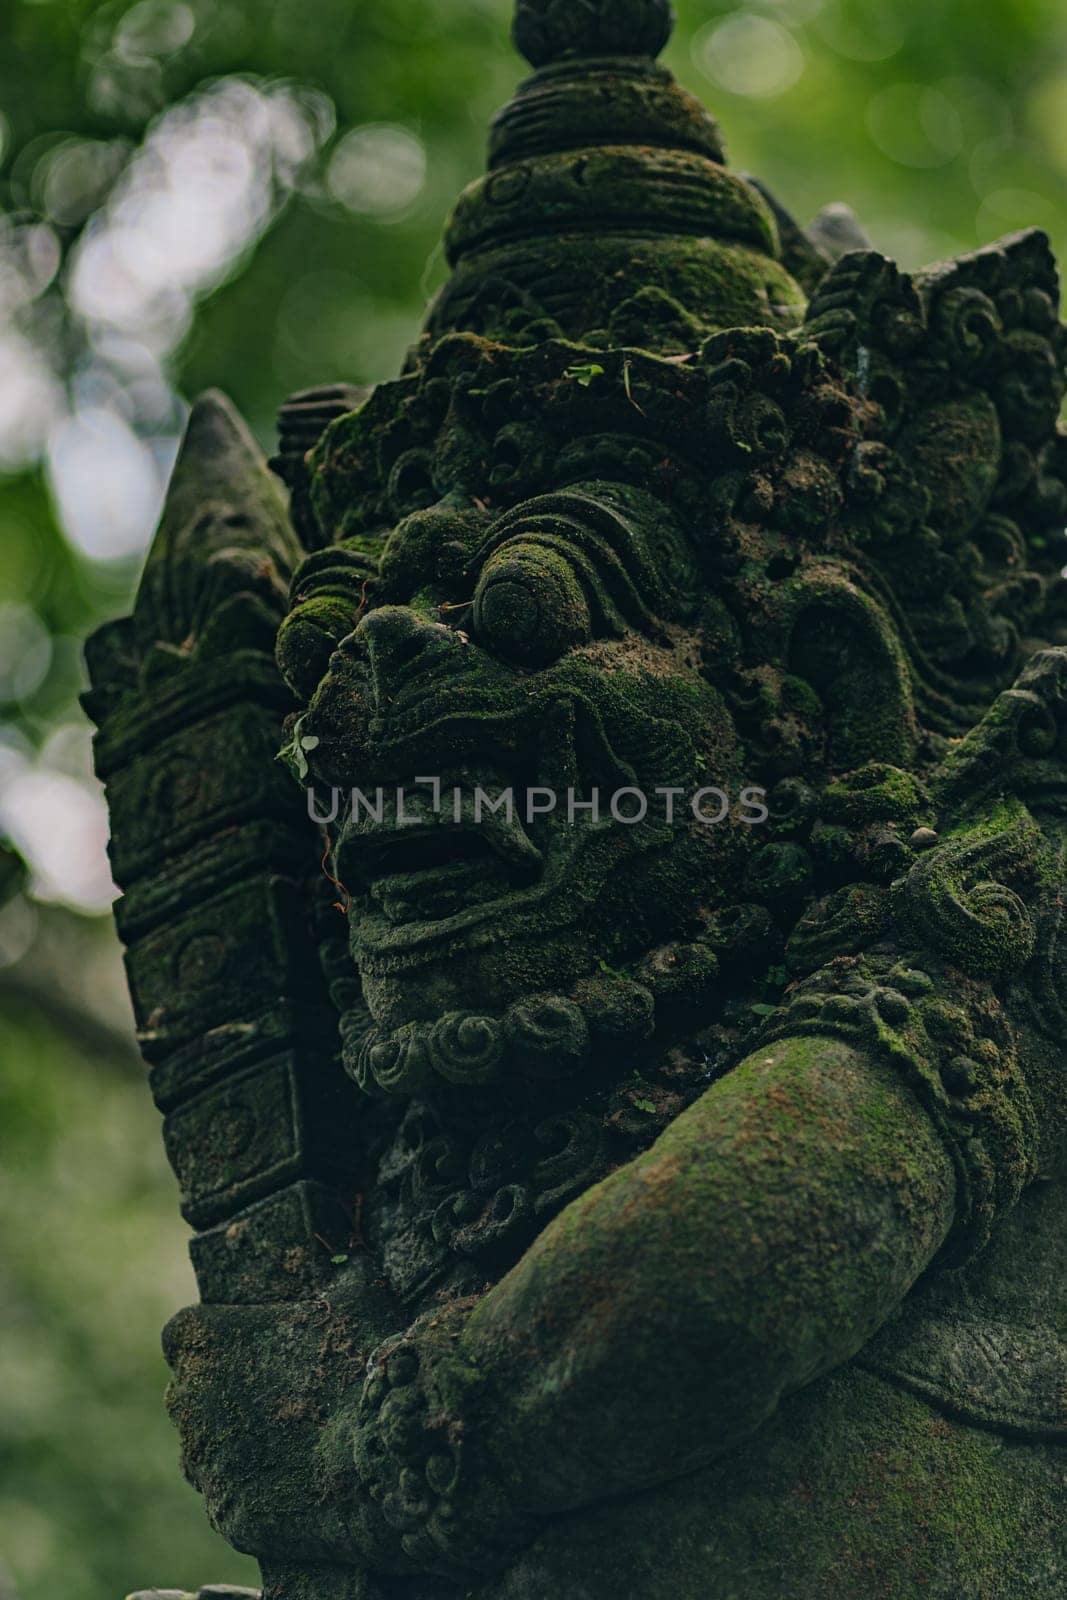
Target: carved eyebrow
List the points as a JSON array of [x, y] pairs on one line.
[[613, 538]]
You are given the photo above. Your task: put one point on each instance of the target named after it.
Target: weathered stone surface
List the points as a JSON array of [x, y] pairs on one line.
[[217, 858], [599, 1199], [549, 30]]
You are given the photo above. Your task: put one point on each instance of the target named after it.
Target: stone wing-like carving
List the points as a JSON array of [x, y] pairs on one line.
[[218, 862], [958, 490]]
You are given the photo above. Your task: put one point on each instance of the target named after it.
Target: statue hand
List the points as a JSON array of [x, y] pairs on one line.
[[424, 1423]]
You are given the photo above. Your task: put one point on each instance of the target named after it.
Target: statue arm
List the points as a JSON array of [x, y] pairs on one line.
[[655, 1324], [663, 1316], [762, 1241]]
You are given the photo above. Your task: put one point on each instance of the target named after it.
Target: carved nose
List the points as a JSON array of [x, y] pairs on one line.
[[400, 645]]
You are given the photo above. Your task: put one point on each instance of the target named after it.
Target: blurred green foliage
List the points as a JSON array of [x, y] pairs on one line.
[[249, 193], [91, 1500]]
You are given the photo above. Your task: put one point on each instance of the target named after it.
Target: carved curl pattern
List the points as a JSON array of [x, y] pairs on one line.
[[536, 1038], [963, 367], [448, 1199], [983, 925], [419, 1459], [952, 1043]]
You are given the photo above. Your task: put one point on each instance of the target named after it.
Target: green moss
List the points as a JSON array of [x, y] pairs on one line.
[[717, 284], [854, 1489]]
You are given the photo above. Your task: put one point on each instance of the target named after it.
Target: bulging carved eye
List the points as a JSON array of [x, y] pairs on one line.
[[530, 606]]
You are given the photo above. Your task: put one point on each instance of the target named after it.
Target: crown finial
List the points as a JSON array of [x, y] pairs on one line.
[[608, 215], [558, 30]]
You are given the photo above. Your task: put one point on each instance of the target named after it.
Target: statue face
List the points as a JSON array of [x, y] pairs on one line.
[[527, 682], [530, 593]]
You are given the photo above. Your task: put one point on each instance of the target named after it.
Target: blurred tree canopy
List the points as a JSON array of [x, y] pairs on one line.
[[250, 193]]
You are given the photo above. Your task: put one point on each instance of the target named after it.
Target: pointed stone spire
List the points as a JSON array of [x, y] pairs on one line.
[[224, 537], [607, 182], [220, 468]]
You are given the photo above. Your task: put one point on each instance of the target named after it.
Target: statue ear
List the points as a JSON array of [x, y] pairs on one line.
[[844, 646], [213, 848]]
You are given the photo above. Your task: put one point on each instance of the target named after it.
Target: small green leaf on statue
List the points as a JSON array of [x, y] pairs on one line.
[[584, 375]]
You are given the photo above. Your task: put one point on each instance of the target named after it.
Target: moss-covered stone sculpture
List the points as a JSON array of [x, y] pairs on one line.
[[596, 1207]]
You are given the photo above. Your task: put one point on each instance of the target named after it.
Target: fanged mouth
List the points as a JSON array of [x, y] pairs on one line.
[[420, 863]]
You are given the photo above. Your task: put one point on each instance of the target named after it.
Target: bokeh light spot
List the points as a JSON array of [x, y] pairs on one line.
[[862, 30], [210, 178], [30, 400], [1047, 108], [25, 652], [29, 260], [155, 28], [60, 827], [748, 55], [72, 179], [377, 170], [915, 125], [106, 484]]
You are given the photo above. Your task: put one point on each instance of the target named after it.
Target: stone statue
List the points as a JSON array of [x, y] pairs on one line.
[[644, 1189]]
